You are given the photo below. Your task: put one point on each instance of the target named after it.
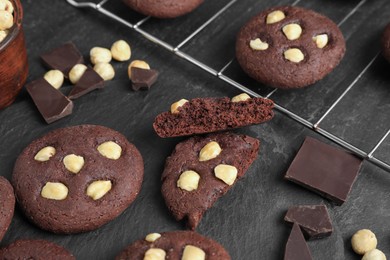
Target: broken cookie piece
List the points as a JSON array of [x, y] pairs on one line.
[[202, 169]]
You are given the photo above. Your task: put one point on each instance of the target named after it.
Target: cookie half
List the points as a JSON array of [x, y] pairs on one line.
[[35, 249], [289, 47], [207, 115], [386, 43], [175, 245], [163, 8], [202, 169], [7, 205], [76, 179]]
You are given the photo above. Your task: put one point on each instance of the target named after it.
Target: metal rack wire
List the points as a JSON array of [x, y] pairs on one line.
[[177, 50]]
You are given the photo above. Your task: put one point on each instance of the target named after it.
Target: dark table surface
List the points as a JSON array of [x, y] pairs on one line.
[[248, 221]]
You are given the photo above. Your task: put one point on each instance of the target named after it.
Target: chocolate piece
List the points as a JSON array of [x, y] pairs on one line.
[[77, 211], [143, 78], [314, 220], [386, 42], [63, 58], [35, 249], [236, 150], [296, 247], [206, 115], [51, 103], [88, 82], [173, 244], [7, 205], [324, 169]]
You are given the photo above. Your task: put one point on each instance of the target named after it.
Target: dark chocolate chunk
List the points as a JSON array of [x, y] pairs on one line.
[[88, 82], [51, 103], [7, 205], [143, 78], [207, 115], [63, 58], [314, 220], [296, 247], [324, 169]]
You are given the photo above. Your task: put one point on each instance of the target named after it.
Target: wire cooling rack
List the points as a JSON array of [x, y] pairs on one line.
[[177, 49]]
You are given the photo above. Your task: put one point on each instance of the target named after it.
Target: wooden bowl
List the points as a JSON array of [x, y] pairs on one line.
[[13, 59]]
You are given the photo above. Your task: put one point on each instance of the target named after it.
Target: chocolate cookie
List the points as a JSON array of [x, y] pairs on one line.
[[76, 179], [175, 245], [289, 47], [386, 43], [163, 8], [35, 249], [206, 115], [7, 205], [202, 169]]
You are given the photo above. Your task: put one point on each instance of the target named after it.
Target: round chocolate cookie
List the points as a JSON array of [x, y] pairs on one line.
[[163, 8], [175, 245], [76, 179], [386, 43], [7, 205], [289, 47], [35, 249]]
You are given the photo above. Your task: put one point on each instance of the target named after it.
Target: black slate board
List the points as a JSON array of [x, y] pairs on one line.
[[248, 221]]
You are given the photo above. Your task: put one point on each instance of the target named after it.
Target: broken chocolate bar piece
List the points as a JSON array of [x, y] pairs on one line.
[[51, 103], [296, 247], [324, 169], [63, 58], [88, 82], [143, 78], [314, 220]]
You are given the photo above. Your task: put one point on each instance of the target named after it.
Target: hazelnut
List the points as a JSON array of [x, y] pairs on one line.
[[100, 55], [155, 254], [363, 241], [193, 253], [294, 55], [77, 72], [73, 163], [110, 150], [226, 173], [275, 16], [241, 97], [3, 34], [3, 5], [209, 151], [6, 20], [374, 254], [188, 181], [175, 106], [137, 64], [258, 45], [292, 31], [121, 51], [152, 237], [45, 154], [54, 191], [9, 7], [54, 78], [105, 70], [98, 189], [321, 40]]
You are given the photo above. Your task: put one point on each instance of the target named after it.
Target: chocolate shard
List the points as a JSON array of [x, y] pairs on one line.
[[296, 247], [51, 103], [63, 58], [207, 115], [143, 79], [324, 169], [88, 82], [314, 220]]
